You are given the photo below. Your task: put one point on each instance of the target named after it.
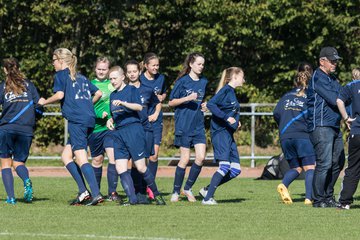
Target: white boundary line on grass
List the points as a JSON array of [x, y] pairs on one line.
[[49, 235]]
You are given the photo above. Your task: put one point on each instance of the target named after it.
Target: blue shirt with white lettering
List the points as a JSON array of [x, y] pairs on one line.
[[290, 114], [159, 87], [121, 115], [18, 111], [148, 101], [222, 106], [350, 93], [189, 119], [76, 106]]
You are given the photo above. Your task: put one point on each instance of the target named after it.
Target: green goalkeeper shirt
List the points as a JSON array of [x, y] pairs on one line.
[[103, 105]]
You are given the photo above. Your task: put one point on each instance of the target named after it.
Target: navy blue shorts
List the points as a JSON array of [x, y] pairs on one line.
[[189, 141], [157, 130], [78, 136], [15, 146], [98, 141], [298, 152], [149, 144], [129, 142], [225, 148]]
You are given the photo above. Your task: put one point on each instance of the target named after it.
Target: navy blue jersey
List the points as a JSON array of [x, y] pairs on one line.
[[18, 111], [189, 119], [351, 94], [121, 115], [159, 87], [290, 114], [76, 106], [222, 106], [148, 101], [321, 94]]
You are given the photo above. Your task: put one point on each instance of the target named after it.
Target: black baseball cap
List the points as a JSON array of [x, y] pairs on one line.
[[330, 53]]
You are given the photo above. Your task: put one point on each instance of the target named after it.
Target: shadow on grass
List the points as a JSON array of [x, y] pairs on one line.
[[234, 200]]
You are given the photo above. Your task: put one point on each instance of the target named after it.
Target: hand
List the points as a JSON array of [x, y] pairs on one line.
[[104, 115], [160, 97], [192, 96], [231, 120], [110, 124], [42, 101], [153, 117], [349, 121], [204, 107], [117, 102], [239, 126]]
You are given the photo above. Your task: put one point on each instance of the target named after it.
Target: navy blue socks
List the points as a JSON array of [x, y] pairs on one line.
[[215, 181], [22, 172], [309, 174], [89, 175], [8, 180], [98, 175], [112, 178], [179, 178], [128, 186], [75, 172], [289, 177], [150, 181], [153, 166], [193, 175]]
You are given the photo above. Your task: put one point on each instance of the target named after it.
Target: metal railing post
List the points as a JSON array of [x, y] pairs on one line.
[[253, 163], [66, 133]]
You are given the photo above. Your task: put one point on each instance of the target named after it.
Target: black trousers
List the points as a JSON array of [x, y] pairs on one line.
[[352, 172]]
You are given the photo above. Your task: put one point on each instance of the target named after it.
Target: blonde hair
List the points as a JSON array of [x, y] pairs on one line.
[[227, 75], [69, 58], [301, 81], [355, 73], [116, 69]]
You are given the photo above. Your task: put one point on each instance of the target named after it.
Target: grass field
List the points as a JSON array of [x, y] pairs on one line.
[[247, 209]]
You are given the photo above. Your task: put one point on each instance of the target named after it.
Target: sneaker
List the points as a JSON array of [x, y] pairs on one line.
[[159, 200], [114, 197], [127, 202], [333, 203], [81, 198], [307, 201], [344, 207], [284, 194], [95, 200], [174, 197], [28, 193], [10, 200], [150, 193], [211, 201], [142, 198], [189, 194], [203, 192]]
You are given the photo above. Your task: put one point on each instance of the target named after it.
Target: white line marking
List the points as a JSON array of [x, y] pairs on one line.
[[81, 236]]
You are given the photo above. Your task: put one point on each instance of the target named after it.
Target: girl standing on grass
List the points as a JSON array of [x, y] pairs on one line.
[[151, 108], [156, 81], [225, 110], [75, 92], [18, 97], [187, 98], [290, 114], [100, 140], [129, 137]]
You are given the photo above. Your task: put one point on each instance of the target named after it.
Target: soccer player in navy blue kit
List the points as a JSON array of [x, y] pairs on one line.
[[18, 97], [129, 135], [75, 92], [187, 99], [290, 114], [153, 79], [151, 108], [225, 120], [350, 94]]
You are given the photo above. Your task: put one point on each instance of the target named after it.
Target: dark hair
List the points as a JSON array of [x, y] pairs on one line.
[[301, 81], [130, 62], [15, 79], [147, 57], [186, 65], [305, 67]]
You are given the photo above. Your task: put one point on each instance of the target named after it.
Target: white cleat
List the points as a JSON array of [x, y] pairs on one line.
[[211, 201], [174, 197]]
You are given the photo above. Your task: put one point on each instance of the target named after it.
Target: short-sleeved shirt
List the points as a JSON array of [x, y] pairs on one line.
[[148, 101], [222, 106], [103, 105], [121, 115], [351, 93], [76, 106], [189, 119], [18, 111]]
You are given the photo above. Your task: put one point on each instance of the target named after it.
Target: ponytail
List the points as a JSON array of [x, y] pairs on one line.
[[15, 79], [227, 75], [69, 58]]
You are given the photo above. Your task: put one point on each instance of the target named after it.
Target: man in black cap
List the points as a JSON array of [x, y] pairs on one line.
[[324, 126]]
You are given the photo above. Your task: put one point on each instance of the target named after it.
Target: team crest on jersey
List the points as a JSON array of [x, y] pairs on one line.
[[10, 96], [295, 104], [157, 90], [82, 90]]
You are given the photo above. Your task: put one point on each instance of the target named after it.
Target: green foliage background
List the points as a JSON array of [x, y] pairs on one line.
[[267, 38]]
